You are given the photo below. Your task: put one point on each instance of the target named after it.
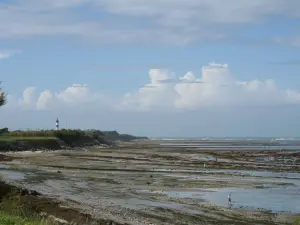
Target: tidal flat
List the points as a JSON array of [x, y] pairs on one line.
[[162, 182]]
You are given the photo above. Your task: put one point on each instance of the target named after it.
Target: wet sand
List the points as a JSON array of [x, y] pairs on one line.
[[147, 183]]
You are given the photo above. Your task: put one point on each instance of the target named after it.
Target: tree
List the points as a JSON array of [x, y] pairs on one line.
[[2, 97]]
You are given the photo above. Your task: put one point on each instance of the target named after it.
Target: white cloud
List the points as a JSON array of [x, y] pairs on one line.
[[28, 99], [77, 96], [216, 88], [157, 21], [44, 100], [5, 54]]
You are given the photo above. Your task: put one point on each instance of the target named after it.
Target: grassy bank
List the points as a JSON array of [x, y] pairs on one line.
[[20, 138], [52, 139], [19, 206], [8, 219]]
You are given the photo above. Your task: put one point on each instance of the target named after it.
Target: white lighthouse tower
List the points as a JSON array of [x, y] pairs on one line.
[[57, 124]]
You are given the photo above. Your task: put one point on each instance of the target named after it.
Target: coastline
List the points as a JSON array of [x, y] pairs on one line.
[[140, 183]]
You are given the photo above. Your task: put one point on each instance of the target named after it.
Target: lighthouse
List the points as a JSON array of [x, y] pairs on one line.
[[57, 124]]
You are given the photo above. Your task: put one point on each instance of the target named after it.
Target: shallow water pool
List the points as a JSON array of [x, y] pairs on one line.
[[274, 199]]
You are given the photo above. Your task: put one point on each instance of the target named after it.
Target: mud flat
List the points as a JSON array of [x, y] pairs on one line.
[[145, 182]]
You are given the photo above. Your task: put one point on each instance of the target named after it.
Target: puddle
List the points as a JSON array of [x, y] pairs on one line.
[[274, 199], [81, 184], [269, 159], [55, 187], [203, 157], [12, 175], [4, 166], [175, 194]]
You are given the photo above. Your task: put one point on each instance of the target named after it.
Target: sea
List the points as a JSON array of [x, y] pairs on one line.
[[236, 143]]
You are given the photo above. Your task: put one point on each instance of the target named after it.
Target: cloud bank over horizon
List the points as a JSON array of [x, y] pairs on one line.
[[215, 88], [213, 104]]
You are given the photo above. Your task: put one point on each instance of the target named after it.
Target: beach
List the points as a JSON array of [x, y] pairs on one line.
[[169, 181]]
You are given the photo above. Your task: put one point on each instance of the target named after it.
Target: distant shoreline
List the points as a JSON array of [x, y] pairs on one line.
[[225, 138]]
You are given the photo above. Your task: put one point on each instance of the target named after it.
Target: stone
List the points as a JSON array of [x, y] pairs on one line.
[[58, 221]]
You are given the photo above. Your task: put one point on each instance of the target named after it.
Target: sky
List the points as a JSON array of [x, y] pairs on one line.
[[171, 68]]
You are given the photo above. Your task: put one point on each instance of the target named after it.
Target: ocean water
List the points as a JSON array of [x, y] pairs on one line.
[[265, 139], [233, 143]]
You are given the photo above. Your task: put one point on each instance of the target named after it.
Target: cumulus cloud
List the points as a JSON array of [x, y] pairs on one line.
[[29, 98], [168, 21], [215, 88], [44, 100], [76, 96]]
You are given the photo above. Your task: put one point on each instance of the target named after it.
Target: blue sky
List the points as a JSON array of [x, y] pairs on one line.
[[112, 49]]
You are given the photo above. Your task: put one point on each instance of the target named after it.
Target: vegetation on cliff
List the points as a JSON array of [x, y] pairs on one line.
[[52, 139], [9, 219]]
